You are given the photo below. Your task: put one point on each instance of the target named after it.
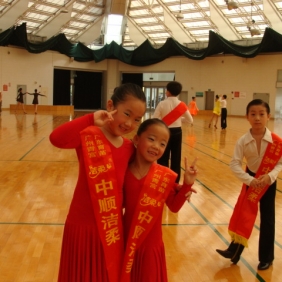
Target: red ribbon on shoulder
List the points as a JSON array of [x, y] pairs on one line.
[[176, 113], [101, 177], [244, 215], [158, 183]]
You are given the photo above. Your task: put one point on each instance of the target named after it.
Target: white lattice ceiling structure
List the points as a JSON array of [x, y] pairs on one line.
[[187, 21]]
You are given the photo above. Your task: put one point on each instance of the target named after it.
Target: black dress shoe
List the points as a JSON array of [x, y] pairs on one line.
[[225, 253], [264, 265]]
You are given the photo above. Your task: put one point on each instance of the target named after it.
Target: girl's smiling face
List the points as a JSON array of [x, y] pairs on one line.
[[152, 142], [128, 116]]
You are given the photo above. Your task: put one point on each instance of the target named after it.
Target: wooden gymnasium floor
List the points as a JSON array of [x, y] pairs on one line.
[[37, 182]]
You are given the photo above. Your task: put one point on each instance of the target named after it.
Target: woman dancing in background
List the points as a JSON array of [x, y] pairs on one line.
[[35, 99], [216, 112], [20, 100], [192, 106]]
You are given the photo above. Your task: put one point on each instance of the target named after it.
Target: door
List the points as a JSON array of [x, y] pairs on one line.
[[262, 96], [136, 78], [61, 87], [209, 100], [87, 93], [183, 96], [153, 96]]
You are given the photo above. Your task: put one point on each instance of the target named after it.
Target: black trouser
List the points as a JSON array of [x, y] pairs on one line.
[[267, 223], [173, 151], [223, 118]]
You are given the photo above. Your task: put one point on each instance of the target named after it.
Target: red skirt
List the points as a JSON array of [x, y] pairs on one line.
[[82, 255], [149, 264]]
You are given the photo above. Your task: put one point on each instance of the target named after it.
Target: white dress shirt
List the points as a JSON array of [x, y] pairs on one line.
[[246, 147], [223, 103], [166, 106]]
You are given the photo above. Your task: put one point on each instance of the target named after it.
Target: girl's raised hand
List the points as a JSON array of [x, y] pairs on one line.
[[102, 117], [189, 194], [190, 172]]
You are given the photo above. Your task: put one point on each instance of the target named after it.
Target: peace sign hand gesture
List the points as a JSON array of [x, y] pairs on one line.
[[102, 117]]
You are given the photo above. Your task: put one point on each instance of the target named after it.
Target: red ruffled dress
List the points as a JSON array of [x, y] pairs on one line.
[[149, 263], [82, 254], [193, 109]]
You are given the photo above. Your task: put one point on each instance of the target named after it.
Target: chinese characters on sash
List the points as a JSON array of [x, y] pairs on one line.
[[245, 211], [157, 185], [269, 161], [104, 196], [103, 189]]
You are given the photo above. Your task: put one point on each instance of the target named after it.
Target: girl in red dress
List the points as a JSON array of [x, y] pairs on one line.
[[92, 246], [147, 186]]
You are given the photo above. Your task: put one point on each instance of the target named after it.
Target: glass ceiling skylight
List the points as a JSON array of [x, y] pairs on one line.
[[187, 21]]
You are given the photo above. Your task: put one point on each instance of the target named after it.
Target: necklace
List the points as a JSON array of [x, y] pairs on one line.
[[141, 175]]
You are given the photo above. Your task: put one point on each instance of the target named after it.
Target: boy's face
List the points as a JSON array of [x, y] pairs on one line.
[[258, 117]]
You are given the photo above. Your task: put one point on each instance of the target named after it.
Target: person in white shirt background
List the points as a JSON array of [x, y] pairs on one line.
[[173, 149], [223, 104]]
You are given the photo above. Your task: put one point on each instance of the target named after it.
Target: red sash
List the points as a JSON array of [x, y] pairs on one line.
[[158, 183], [244, 215], [176, 113], [103, 189]]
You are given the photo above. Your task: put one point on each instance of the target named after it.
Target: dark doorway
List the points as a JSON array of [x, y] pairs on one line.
[[61, 87], [87, 90], [136, 78]]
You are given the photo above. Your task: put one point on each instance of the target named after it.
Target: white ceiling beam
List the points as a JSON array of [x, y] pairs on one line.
[[178, 33], [53, 27], [92, 33], [9, 17], [273, 15], [135, 34], [222, 23]]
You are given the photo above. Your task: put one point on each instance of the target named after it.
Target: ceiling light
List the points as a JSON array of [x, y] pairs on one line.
[[231, 5], [179, 16], [64, 10], [254, 31]]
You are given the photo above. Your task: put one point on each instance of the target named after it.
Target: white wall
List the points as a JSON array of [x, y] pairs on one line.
[[221, 74], [224, 75]]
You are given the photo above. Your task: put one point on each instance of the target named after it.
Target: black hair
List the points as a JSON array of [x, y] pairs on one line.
[[216, 97], [193, 98], [224, 96], [258, 102], [115, 89], [20, 89], [148, 122], [35, 90], [174, 88], [127, 89]]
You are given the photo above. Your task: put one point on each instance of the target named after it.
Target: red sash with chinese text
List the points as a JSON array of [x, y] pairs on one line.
[[244, 215], [158, 183], [176, 113], [101, 177]]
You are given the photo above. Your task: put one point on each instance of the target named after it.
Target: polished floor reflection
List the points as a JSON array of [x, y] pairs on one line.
[[37, 182]]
